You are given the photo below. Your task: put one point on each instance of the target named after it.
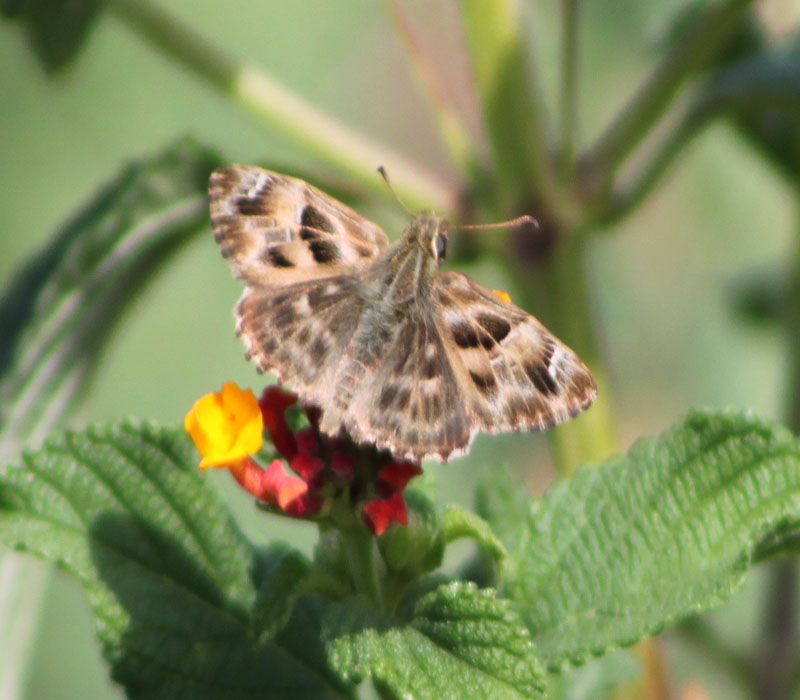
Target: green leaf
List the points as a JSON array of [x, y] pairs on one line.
[[56, 29], [280, 573], [63, 304], [458, 523], [460, 642], [167, 573], [666, 531]]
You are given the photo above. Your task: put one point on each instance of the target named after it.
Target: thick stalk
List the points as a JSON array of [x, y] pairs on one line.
[[776, 662], [569, 87]]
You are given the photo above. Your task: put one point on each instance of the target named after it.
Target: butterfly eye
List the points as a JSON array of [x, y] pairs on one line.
[[441, 247]]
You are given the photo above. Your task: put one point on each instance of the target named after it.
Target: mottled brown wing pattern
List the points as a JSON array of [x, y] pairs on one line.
[[518, 375], [404, 396], [275, 229], [469, 362], [299, 332]]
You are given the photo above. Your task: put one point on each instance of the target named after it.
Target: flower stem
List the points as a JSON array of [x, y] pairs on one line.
[[281, 109], [363, 557]]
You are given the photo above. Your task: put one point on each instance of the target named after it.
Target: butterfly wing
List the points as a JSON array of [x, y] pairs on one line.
[[401, 394], [299, 332], [514, 373], [276, 230]]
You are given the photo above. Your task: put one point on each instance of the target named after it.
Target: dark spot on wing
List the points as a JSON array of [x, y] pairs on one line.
[[464, 335], [540, 377], [322, 295], [308, 234], [324, 251], [484, 382], [363, 251], [495, 326], [387, 396], [277, 258], [304, 336], [249, 206], [319, 349], [314, 218], [285, 316]]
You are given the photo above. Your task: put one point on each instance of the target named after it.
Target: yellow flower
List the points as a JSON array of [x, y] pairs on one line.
[[505, 296], [226, 426]]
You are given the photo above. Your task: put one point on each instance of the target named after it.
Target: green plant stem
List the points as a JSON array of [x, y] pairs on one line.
[[452, 129], [632, 192], [557, 291], [698, 43], [281, 109], [569, 86], [363, 558], [513, 110]]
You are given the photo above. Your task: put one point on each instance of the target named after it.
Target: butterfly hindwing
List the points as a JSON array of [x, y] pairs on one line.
[[518, 375], [299, 332]]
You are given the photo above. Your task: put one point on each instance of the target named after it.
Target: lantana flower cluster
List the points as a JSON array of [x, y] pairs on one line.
[[315, 472]]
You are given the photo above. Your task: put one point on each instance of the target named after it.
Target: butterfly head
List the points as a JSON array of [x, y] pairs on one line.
[[430, 232]]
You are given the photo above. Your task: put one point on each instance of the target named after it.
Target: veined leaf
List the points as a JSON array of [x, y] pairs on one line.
[[60, 308], [167, 573], [460, 642], [666, 531]]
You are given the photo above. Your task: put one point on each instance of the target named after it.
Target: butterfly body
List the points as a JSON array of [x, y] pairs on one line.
[[394, 350]]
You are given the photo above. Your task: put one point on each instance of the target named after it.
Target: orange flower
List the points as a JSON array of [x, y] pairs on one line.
[[226, 426], [505, 296]]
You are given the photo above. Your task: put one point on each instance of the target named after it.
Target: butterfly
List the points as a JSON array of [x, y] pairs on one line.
[[395, 351]]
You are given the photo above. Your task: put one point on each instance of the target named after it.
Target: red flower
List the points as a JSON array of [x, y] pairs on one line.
[[381, 513], [274, 402]]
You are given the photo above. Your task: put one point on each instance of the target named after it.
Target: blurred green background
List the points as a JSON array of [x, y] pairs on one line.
[[662, 281]]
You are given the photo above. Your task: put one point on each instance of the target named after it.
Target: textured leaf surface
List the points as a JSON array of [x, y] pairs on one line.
[[167, 573], [460, 642], [666, 531], [62, 305]]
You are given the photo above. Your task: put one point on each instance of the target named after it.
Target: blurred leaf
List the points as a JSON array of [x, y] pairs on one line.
[[761, 94], [166, 571], [280, 573], [666, 531], [748, 38], [56, 29], [61, 306], [596, 679], [461, 642], [761, 296], [503, 502]]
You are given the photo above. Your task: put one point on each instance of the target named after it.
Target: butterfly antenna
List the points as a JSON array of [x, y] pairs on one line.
[[385, 177], [519, 221]]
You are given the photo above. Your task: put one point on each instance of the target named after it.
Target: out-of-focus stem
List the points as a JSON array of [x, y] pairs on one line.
[[697, 44], [569, 86], [452, 128], [281, 109]]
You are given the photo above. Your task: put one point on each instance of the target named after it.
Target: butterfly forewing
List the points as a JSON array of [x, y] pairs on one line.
[[276, 229], [394, 351]]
